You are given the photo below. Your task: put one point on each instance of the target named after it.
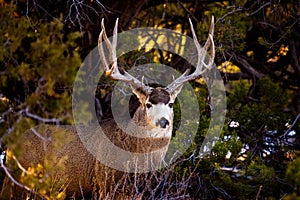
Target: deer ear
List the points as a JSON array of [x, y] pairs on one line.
[[141, 95], [175, 92]]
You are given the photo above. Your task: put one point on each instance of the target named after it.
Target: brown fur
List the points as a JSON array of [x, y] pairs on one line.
[[135, 144], [159, 95], [82, 172]]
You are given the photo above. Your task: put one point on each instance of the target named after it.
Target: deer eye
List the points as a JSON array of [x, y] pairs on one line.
[[148, 105], [171, 105]]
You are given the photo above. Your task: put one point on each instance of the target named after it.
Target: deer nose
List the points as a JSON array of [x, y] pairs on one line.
[[163, 122]]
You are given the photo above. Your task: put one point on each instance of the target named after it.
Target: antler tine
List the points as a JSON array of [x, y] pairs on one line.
[[111, 46], [111, 49], [210, 42], [200, 62], [114, 72], [101, 51]]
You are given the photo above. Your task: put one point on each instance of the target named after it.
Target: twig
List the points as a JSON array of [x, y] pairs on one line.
[[39, 135], [229, 13], [44, 120], [259, 191], [284, 34], [247, 66], [261, 7], [187, 10], [19, 165], [14, 180], [290, 128]]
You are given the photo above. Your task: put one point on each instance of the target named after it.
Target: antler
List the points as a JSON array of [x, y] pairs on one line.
[[201, 65], [114, 72]]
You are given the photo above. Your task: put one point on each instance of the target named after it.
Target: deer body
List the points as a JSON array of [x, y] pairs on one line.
[[82, 173], [149, 131]]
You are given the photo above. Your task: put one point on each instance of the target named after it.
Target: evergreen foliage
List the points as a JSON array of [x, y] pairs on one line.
[[257, 154]]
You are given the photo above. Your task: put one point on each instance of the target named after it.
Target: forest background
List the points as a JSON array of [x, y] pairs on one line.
[[43, 44]]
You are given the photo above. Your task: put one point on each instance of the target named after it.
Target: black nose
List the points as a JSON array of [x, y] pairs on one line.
[[163, 122]]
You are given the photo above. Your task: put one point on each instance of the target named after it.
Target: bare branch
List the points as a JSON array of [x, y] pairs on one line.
[[19, 164], [294, 56], [80, 11], [13, 179], [39, 135], [261, 7], [247, 66], [292, 126], [44, 120], [288, 30], [235, 10]]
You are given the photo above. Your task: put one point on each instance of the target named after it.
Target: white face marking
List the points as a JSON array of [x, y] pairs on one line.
[[160, 116]]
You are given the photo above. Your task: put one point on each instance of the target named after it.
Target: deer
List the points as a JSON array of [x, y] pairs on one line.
[[84, 174]]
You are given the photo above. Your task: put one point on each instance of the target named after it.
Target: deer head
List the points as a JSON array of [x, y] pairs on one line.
[[156, 103]]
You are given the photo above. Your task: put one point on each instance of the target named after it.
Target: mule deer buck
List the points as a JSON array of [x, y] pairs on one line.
[[84, 173]]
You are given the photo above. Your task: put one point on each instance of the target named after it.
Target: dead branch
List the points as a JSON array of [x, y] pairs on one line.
[[14, 180]]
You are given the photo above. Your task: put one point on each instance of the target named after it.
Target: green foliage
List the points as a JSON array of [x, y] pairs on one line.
[[230, 30], [40, 176], [235, 170], [38, 63], [263, 106], [38, 67], [45, 173], [260, 173], [293, 177], [227, 143], [14, 29]]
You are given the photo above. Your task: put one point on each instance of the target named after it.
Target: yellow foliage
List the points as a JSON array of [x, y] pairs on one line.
[[38, 177], [228, 67], [274, 59], [47, 178], [197, 89], [61, 195], [4, 99], [282, 51], [200, 80], [250, 53]]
